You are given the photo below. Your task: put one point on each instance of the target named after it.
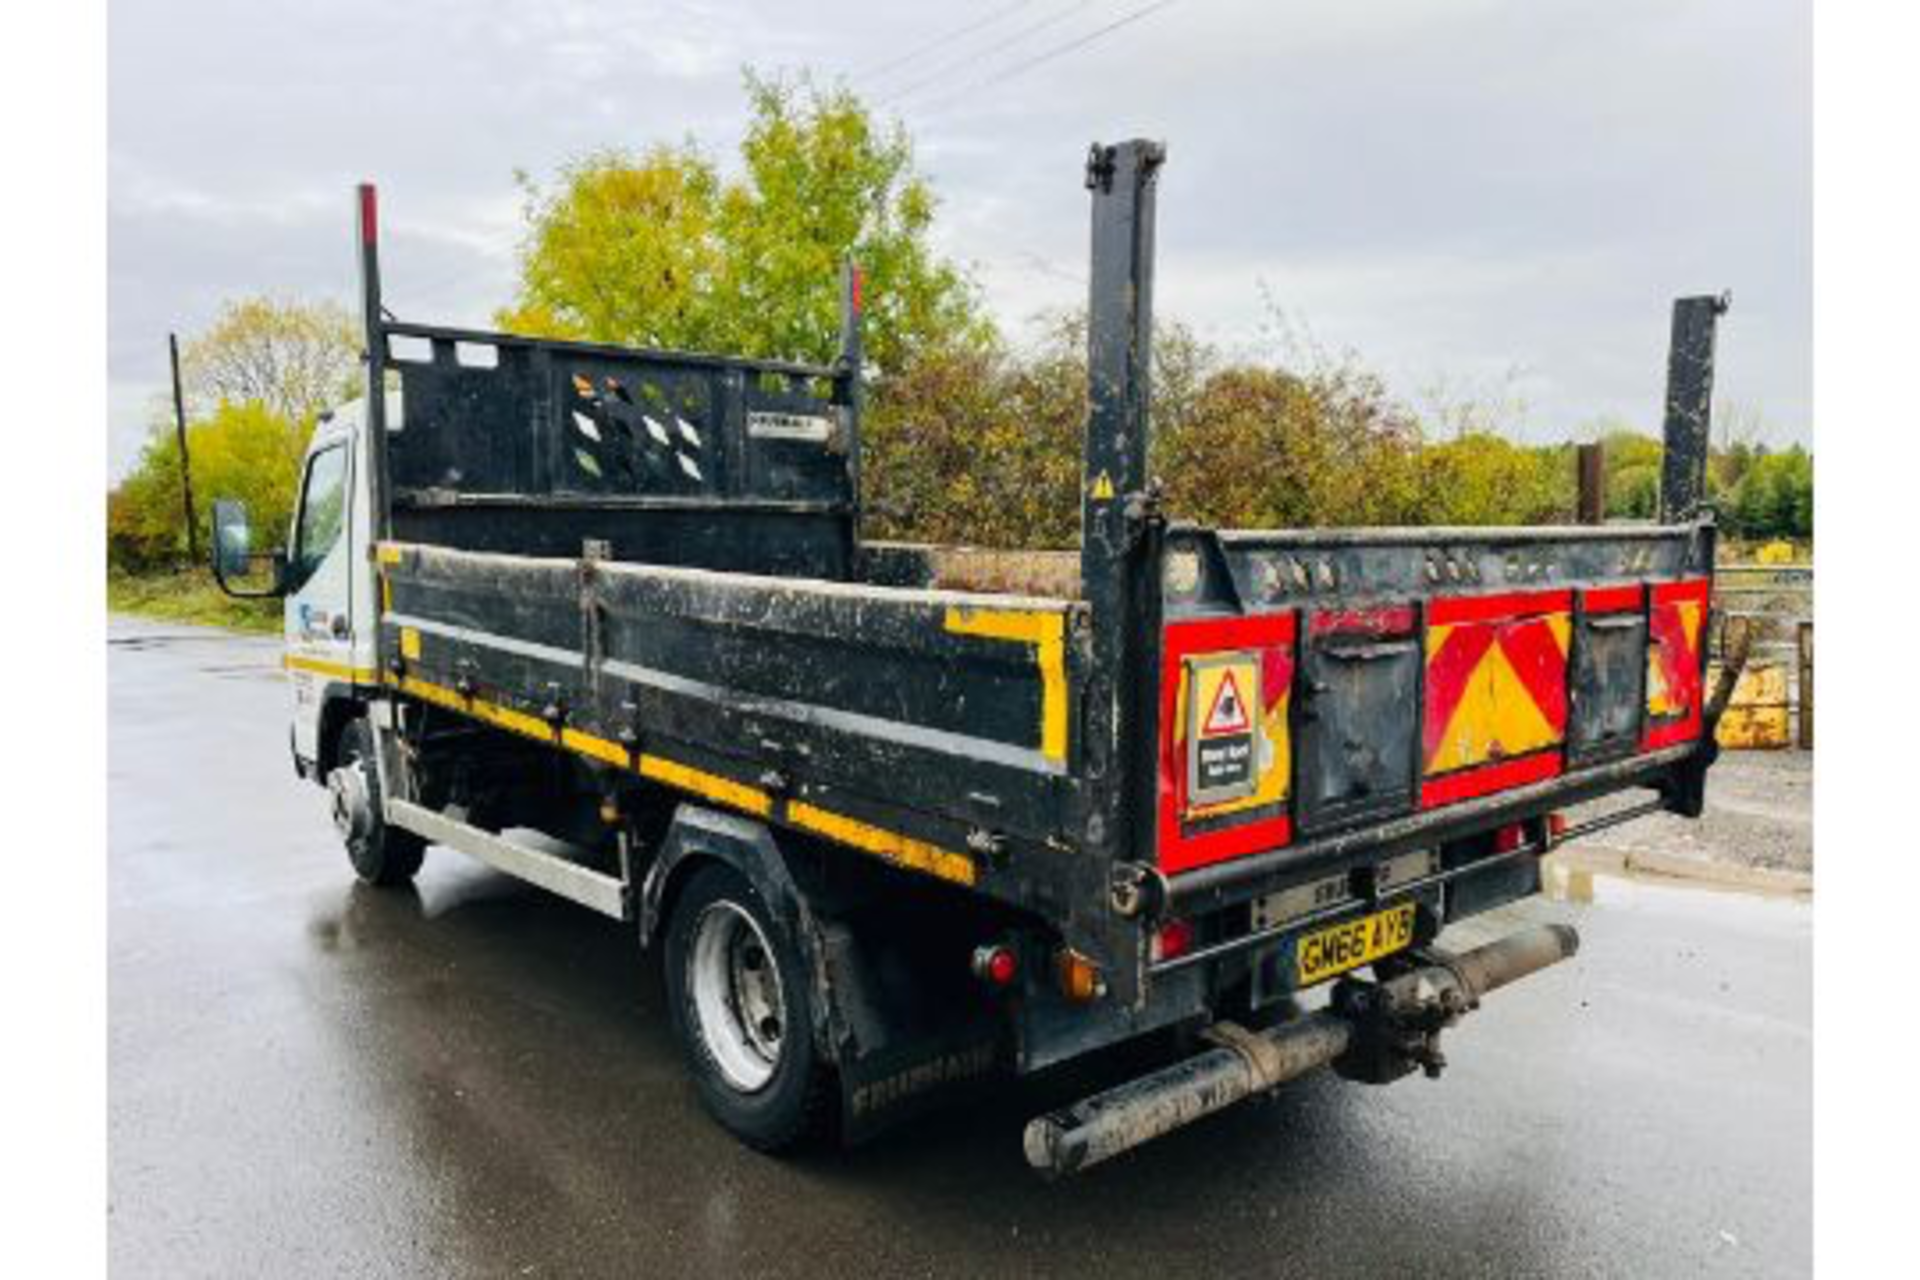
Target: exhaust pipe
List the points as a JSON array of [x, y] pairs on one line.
[[1379, 1032]]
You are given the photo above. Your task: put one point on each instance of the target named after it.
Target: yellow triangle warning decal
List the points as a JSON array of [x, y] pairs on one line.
[[1103, 487], [1228, 714]]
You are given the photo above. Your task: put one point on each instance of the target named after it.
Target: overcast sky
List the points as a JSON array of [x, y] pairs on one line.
[[1497, 197]]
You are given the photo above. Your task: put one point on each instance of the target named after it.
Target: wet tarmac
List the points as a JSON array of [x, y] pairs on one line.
[[309, 1078]]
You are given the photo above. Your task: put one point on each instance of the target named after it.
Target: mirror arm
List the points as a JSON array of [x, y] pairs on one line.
[[277, 588]]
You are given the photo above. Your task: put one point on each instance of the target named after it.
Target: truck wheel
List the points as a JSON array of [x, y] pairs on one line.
[[738, 990], [381, 855]]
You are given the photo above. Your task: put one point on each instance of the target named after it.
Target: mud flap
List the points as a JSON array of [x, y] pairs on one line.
[[896, 1059]]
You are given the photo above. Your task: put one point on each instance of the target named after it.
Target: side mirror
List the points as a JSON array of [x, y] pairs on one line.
[[234, 556], [232, 538]]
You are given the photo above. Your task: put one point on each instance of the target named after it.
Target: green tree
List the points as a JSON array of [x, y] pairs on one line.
[[973, 443], [254, 382], [1265, 447], [1481, 479], [1774, 498], [623, 250], [661, 250], [246, 451], [1632, 463], [296, 358], [982, 445]]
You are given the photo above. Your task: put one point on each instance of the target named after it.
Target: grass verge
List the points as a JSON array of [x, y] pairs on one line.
[[189, 597]]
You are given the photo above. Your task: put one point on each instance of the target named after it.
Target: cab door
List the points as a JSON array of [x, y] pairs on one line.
[[321, 635]]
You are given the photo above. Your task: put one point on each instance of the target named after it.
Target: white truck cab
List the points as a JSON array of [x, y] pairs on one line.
[[326, 576], [330, 608]]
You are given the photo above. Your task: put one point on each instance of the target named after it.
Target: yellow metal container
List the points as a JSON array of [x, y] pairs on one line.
[[1757, 717]]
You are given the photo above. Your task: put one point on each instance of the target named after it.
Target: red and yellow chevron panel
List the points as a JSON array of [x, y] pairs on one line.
[[1676, 623], [1197, 834], [1495, 711]]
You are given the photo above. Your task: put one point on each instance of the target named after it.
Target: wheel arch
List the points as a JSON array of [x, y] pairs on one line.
[[699, 837], [339, 708], [890, 1059]]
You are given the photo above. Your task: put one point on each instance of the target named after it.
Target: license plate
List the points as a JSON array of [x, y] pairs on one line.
[[1340, 947]]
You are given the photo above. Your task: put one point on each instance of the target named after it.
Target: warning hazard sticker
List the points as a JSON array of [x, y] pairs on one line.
[[1223, 754], [1229, 713]]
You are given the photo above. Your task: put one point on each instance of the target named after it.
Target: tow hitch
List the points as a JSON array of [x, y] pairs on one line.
[[1373, 1032]]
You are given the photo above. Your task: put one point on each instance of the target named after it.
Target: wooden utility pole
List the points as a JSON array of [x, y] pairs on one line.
[[180, 433], [1593, 484]]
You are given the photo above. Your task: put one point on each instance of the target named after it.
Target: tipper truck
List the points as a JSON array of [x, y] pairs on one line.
[[906, 819]]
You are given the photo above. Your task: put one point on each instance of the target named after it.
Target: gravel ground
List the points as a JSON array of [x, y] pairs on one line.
[[1759, 815]]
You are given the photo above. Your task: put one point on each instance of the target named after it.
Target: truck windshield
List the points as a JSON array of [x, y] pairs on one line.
[[322, 511]]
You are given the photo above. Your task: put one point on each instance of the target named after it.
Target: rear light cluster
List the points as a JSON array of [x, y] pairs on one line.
[[1079, 979], [1173, 939], [1547, 831]]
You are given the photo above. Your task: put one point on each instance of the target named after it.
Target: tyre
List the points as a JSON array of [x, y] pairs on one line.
[[381, 854], [738, 991]]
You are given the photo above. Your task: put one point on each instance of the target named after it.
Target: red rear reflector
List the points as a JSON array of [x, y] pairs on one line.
[[998, 965], [1509, 838], [1171, 941], [1556, 824]]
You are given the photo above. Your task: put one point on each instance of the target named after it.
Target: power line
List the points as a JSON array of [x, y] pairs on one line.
[[1048, 55], [973, 59], [919, 51]]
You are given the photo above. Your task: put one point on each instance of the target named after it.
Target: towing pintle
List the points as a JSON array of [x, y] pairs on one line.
[[1689, 410], [1371, 1032]]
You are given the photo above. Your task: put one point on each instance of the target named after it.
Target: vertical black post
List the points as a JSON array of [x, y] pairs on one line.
[[1119, 348], [1119, 527], [186, 467], [1689, 416], [848, 393], [373, 326], [1593, 484]]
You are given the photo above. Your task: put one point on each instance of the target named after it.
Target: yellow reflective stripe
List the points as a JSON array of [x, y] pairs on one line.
[[430, 692], [479, 708], [903, 851], [900, 850], [335, 670], [1047, 633], [710, 785], [599, 748], [410, 644], [687, 778], [518, 721]]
